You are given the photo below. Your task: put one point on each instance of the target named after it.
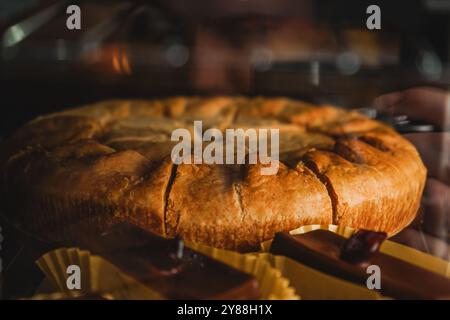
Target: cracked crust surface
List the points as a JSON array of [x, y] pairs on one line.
[[110, 161]]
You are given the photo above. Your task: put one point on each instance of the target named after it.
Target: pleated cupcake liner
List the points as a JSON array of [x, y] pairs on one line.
[[98, 276], [272, 285]]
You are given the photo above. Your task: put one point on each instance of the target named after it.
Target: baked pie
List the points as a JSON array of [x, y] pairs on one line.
[[110, 161]]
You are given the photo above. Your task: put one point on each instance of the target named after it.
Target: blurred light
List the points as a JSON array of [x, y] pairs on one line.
[[125, 64], [368, 112], [261, 59], [13, 35], [429, 65], [177, 55], [116, 64], [120, 62], [315, 73], [348, 63]]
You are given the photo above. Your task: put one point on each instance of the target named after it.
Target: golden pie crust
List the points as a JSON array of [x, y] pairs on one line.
[[110, 161]]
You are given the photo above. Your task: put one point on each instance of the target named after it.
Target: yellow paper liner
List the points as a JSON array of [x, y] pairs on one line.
[[313, 284], [416, 257], [104, 279], [98, 276], [272, 285]]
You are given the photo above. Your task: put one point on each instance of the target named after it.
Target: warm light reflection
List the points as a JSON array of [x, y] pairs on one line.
[[116, 64], [125, 64], [120, 62]]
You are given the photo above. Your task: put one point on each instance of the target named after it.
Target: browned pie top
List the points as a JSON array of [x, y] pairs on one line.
[[110, 161]]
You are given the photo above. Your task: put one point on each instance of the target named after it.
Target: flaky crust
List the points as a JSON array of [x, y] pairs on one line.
[[110, 161]]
